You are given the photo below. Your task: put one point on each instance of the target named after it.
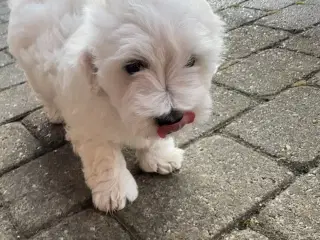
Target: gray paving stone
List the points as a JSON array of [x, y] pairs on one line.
[[316, 79], [44, 189], [93, 226], [296, 17], [17, 145], [237, 16], [16, 101], [10, 75], [4, 18], [7, 231], [306, 42], [3, 41], [220, 181], [245, 40], [3, 28], [219, 4], [288, 126], [269, 5], [5, 59], [226, 104], [268, 72], [296, 213], [50, 135], [245, 235]]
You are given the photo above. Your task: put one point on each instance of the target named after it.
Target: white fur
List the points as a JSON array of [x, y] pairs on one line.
[[60, 44]]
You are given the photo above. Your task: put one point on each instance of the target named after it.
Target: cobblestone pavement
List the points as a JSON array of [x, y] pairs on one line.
[[251, 172]]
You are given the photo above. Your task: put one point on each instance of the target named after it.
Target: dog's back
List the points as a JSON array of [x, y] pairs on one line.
[[37, 32]]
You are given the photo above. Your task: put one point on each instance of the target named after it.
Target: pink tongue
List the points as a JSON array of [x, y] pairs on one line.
[[188, 117]]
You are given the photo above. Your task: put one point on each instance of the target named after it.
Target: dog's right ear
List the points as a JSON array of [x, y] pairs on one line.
[[91, 70]]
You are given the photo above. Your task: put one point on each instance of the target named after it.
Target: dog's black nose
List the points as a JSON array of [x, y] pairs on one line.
[[172, 117]]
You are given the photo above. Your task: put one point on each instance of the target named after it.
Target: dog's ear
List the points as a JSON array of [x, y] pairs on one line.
[[90, 69]]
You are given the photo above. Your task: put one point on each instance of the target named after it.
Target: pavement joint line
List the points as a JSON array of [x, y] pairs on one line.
[[5, 206], [231, 6], [272, 11], [78, 208], [11, 86], [270, 46], [130, 230], [258, 98], [271, 236], [28, 160], [19, 117], [243, 93], [216, 128], [43, 144], [292, 31], [297, 168], [246, 24], [255, 209], [267, 97], [299, 51]]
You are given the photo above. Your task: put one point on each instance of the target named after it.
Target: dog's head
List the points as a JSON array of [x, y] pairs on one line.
[[154, 60]]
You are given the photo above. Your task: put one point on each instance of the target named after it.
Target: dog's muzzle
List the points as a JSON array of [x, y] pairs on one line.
[[173, 121]]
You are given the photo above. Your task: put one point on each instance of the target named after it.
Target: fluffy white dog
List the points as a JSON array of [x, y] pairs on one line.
[[119, 72]]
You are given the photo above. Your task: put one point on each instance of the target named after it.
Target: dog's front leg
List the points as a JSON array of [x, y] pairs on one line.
[[106, 174], [160, 156]]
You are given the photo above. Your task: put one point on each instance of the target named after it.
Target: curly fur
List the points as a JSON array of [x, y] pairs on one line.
[[73, 53]]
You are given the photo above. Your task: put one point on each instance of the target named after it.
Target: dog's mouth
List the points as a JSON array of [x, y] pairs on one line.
[[164, 130]]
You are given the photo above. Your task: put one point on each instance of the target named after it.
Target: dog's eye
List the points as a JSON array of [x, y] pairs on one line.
[[191, 61], [135, 66]]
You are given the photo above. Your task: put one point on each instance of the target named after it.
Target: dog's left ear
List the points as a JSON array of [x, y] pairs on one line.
[[90, 69]]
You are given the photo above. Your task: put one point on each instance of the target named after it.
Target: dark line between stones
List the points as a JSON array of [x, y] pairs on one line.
[[255, 209], [78, 208], [11, 86], [19, 117], [297, 168], [11, 218], [130, 230]]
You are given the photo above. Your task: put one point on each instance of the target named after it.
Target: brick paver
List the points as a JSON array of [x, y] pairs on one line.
[[93, 226], [11, 75], [16, 102], [44, 189], [17, 145], [219, 4], [306, 42], [295, 213], [268, 71], [296, 17], [250, 172], [245, 235], [269, 5], [316, 79], [241, 42], [220, 181], [5, 59], [287, 126], [50, 135], [238, 16], [226, 104], [7, 231]]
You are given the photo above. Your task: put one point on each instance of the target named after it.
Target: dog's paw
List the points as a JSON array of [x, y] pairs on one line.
[[111, 195], [163, 157]]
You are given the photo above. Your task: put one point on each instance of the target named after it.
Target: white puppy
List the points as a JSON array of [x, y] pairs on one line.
[[119, 72]]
